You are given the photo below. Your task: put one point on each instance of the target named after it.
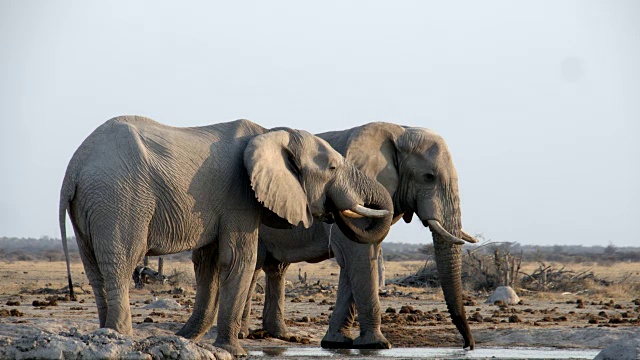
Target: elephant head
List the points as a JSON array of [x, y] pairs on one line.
[[299, 177], [416, 168]]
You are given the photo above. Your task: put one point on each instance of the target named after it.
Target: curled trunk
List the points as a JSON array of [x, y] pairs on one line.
[[370, 195]]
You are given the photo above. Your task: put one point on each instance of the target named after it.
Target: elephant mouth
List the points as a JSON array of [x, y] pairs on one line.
[[326, 218], [436, 227]]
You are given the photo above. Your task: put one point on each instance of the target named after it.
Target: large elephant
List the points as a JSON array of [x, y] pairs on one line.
[[415, 166], [136, 187]]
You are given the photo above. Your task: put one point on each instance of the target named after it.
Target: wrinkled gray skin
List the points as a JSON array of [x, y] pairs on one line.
[[136, 187], [415, 166]]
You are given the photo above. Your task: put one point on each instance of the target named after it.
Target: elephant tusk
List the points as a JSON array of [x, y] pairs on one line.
[[437, 227], [351, 214], [468, 238], [359, 211]]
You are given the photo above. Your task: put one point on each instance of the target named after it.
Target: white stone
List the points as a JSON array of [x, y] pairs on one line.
[[505, 294], [164, 304]]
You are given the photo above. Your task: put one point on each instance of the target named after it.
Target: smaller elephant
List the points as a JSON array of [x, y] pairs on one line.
[[136, 187]]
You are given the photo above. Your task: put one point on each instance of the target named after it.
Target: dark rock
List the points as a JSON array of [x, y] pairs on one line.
[[476, 316], [514, 319], [406, 309]]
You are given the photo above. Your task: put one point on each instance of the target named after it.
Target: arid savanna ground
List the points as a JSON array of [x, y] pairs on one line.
[[32, 298]]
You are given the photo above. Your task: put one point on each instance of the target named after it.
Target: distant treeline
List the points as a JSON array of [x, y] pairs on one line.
[[559, 253], [49, 249], [45, 248]]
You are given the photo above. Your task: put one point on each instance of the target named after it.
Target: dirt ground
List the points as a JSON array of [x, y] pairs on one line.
[[32, 299]]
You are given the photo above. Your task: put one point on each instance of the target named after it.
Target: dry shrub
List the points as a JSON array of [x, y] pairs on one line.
[[182, 279], [492, 264], [426, 276], [484, 267]]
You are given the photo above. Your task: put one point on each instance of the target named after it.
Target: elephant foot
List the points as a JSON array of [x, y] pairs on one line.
[[233, 348], [373, 341], [336, 341], [278, 330], [189, 333]]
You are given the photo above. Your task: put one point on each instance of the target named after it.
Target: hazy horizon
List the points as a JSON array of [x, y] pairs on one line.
[[539, 102]]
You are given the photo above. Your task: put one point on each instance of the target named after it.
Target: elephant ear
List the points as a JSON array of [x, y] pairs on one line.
[[373, 151], [275, 179]]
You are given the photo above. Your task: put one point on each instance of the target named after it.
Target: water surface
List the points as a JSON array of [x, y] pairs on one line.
[[431, 353]]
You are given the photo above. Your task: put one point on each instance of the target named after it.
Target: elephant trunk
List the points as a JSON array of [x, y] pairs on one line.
[[358, 213], [447, 234], [449, 263]]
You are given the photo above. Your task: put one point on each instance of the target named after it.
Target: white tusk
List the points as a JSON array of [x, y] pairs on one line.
[[435, 226], [468, 238], [360, 211], [351, 214]]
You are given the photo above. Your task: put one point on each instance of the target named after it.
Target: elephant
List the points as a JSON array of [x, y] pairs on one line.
[[136, 187], [416, 168]]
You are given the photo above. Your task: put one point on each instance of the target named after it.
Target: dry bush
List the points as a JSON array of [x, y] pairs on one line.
[[182, 279], [484, 267], [491, 264], [550, 278], [425, 276], [487, 266]]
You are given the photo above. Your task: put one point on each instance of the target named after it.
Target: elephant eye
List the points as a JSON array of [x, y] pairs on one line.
[[429, 178], [332, 167]]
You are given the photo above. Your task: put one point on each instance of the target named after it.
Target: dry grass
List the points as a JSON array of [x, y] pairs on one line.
[[625, 278], [614, 272], [395, 269], [20, 275]]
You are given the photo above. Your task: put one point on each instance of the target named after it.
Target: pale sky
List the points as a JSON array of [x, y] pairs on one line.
[[539, 101]]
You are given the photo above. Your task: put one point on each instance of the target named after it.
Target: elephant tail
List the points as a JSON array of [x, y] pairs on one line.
[[66, 195]]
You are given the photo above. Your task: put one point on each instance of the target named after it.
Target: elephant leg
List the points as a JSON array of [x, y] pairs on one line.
[[246, 314], [273, 314], [100, 294], [358, 284], [338, 335], [363, 276], [244, 329], [237, 257], [95, 279], [117, 277], [205, 308]]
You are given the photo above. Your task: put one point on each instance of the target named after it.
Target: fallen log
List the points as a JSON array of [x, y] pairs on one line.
[[142, 275]]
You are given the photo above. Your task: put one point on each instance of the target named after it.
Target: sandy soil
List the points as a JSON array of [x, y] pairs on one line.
[[32, 301]]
